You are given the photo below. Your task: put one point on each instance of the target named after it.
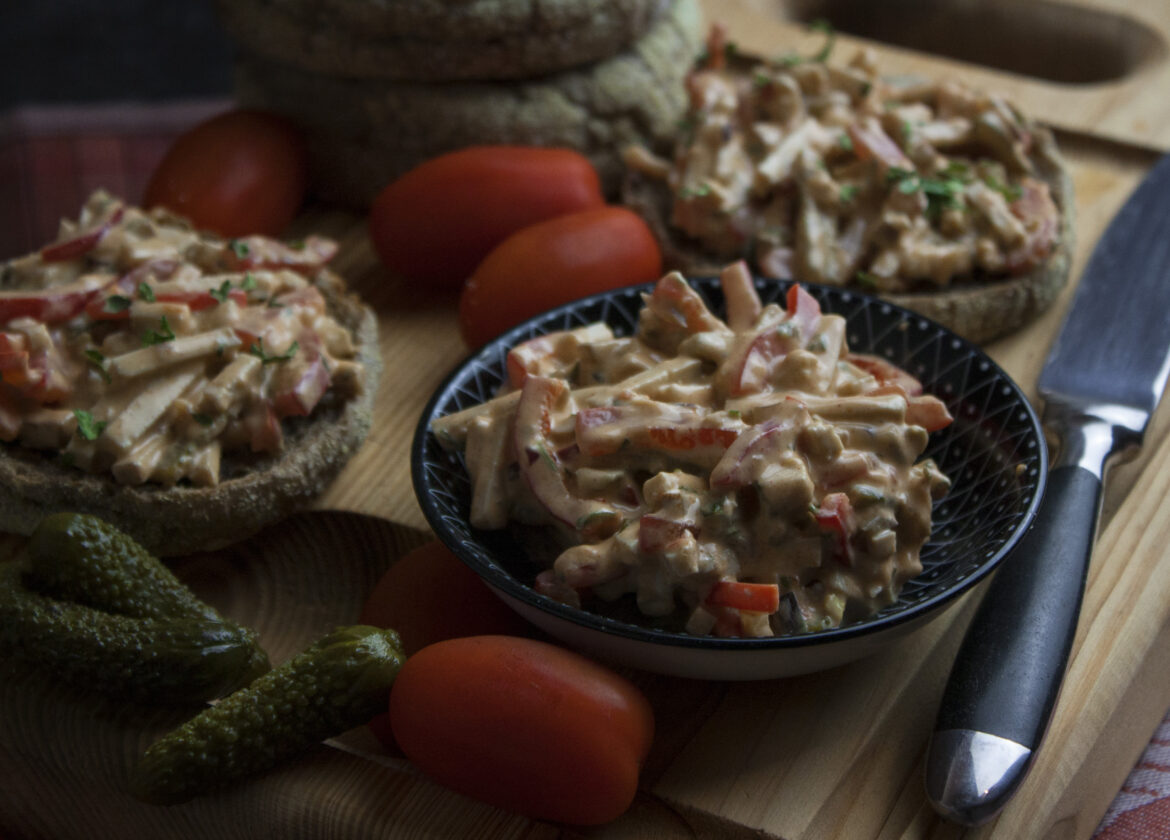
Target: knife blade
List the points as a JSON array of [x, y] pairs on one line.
[[1103, 378]]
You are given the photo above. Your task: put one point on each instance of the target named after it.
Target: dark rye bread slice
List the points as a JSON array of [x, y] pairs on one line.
[[438, 40], [980, 309], [252, 493], [363, 134]]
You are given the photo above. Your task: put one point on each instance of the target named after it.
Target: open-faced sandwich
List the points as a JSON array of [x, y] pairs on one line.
[[940, 198], [187, 388]]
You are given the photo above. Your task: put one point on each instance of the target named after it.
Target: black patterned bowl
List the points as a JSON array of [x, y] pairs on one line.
[[994, 453]]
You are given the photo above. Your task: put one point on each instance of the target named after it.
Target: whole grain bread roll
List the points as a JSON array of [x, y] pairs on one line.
[[253, 490], [363, 134], [979, 305], [439, 40]]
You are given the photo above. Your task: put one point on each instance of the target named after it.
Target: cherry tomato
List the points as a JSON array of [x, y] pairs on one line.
[[555, 262], [524, 725], [435, 223], [430, 595], [238, 173]]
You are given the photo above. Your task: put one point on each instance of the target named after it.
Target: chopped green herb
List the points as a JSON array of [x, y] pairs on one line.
[[1009, 191], [239, 248], [297, 244], [866, 280], [866, 87], [145, 292], [98, 360], [257, 350], [117, 303], [548, 459], [734, 413], [848, 192], [821, 55], [845, 141], [87, 427], [817, 345], [826, 28], [249, 282], [761, 79], [786, 329], [221, 294], [695, 192], [202, 419], [907, 130], [163, 335]]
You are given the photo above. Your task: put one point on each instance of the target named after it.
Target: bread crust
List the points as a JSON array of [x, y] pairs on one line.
[[172, 521], [455, 41], [363, 134], [979, 309]]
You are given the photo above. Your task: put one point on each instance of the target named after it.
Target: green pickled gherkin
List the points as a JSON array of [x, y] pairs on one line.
[[176, 660], [341, 681], [84, 559]]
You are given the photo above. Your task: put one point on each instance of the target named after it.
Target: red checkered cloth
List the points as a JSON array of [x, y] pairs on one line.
[[51, 159]]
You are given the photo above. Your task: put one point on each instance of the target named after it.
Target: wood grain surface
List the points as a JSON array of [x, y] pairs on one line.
[[830, 756]]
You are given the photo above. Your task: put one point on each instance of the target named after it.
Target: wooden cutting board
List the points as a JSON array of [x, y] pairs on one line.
[[836, 755]]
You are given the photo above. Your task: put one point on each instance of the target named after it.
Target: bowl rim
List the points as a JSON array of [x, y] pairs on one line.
[[497, 578]]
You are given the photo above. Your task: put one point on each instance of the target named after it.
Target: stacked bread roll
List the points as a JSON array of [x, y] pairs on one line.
[[381, 85]]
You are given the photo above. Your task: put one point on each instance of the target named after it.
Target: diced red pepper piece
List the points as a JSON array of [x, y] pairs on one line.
[[49, 306], [804, 309], [303, 397], [657, 533], [753, 597], [660, 427], [736, 468], [525, 358], [1036, 209], [81, 244], [870, 142], [835, 517]]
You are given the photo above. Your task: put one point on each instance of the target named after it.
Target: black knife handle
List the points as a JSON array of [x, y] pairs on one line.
[[1008, 671]]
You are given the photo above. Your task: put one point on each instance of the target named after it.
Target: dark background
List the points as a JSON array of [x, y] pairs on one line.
[[59, 51]]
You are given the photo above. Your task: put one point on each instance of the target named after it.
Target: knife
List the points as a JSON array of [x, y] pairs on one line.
[[1101, 382]]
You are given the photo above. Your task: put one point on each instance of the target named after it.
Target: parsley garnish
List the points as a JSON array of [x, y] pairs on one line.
[[239, 248], [146, 293], [98, 361], [695, 192], [202, 419], [117, 303], [867, 280], [221, 294], [845, 141], [822, 55], [257, 350], [848, 192], [164, 334], [87, 427], [1009, 191], [249, 282], [941, 193]]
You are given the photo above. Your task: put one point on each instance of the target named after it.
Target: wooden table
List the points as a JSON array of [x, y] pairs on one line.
[[831, 755]]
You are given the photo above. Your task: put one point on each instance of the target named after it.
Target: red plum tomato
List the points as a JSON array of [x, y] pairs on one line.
[[429, 595], [434, 224], [238, 173], [555, 262], [524, 725]]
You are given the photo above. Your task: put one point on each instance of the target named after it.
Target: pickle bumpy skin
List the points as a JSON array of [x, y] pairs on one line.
[[341, 681], [81, 558], [176, 660]]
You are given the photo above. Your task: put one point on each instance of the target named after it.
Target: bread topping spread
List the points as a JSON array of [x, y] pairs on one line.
[[137, 346]]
